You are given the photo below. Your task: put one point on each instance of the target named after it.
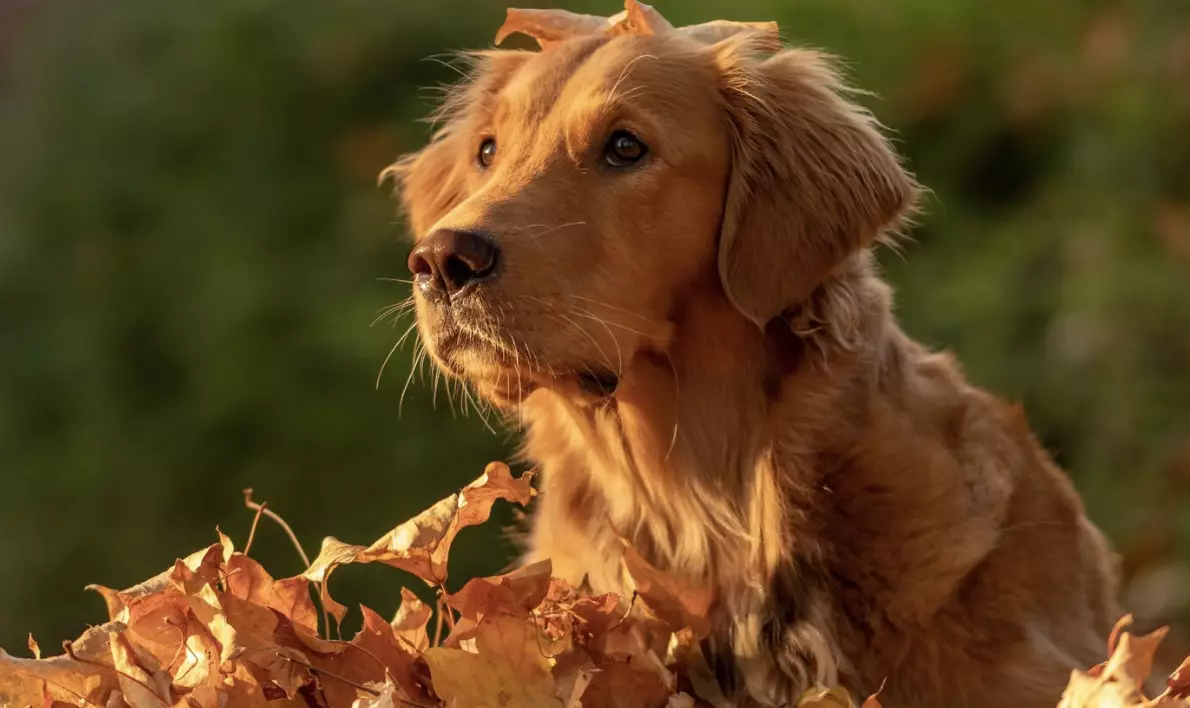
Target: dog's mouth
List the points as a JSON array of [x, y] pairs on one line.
[[598, 383], [506, 369], [507, 374]]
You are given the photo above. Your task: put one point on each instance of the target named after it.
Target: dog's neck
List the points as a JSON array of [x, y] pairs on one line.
[[681, 462]]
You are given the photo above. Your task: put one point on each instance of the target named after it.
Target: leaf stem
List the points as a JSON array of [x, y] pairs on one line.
[[260, 509]]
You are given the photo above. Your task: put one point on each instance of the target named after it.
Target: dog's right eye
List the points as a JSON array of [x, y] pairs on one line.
[[624, 149], [487, 153]]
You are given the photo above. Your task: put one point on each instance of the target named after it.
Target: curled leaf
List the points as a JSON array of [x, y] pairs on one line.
[[766, 34], [549, 26], [422, 544], [411, 620]]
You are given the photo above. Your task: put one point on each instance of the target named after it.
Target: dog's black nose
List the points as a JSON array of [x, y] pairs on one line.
[[450, 263]]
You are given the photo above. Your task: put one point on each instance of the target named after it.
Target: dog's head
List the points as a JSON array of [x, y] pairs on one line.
[[572, 195]]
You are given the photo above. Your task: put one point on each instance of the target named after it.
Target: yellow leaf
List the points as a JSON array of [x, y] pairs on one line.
[[411, 619], [507, 671]]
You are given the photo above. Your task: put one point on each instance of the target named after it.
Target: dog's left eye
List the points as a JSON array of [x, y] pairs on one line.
[[624, 149], [487, 153]]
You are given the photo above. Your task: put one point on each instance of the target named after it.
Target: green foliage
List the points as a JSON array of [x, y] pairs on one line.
[[191, 237]]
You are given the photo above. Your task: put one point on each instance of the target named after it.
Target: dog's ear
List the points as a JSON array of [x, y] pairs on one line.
[[812, 178], [433, 180], [430, 182]]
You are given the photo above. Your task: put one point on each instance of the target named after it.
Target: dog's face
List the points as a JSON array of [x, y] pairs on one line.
[[575, 194]]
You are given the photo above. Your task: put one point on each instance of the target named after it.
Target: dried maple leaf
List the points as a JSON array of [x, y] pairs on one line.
[[1119, 682], [1179, 680], [620, 684], [248, 580], [549, 26], [508, 669], [1132, 662], [63, 679], [422, 545], [374, 655], [140, 689], [521, 590], [573, 672], [676, 603]]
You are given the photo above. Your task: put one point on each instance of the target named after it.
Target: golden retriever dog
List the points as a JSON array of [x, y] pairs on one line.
[[653, 246]]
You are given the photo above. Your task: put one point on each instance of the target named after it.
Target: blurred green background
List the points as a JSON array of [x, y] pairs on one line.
[[191, 242]]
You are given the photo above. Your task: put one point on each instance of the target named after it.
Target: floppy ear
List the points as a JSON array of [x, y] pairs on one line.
[[812, 180], [429, 182], [433, 180]]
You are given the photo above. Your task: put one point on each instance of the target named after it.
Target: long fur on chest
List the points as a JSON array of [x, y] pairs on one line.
[[704, 465]]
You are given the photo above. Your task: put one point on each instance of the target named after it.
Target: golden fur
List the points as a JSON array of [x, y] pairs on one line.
[[860, 511]]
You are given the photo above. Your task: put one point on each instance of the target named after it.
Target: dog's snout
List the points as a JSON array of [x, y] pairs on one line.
[[450, 263]]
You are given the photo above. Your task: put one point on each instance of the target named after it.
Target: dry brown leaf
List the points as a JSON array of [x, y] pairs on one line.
[[139, 688], [638, 18], [248, 580], [422, 544], [508, 670], [1086, 691], [620, 684], [157, 623], [374, 653], [573, 672], [549, 26], [411, 620], [766, 34], [1132, 662], [216, 630], [522, 589], [1179, 680], [38, 682], [678, 604], [1119, 682]]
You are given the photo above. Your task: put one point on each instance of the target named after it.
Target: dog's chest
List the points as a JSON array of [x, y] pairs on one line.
[[615, 476]]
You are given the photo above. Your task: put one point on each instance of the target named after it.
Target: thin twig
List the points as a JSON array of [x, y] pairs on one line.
[[317, 672], [55, 684], [280, 522], [252, 532]]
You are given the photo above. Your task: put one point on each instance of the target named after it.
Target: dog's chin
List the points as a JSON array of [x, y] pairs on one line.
[[509, 389], [504, 391], [506, 381]]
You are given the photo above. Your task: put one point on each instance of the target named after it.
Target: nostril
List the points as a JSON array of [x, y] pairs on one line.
[[419, 264], [459, 272]]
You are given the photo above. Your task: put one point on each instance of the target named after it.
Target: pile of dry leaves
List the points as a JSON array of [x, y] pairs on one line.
[[217, 631]]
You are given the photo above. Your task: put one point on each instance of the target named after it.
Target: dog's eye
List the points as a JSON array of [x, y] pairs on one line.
[[487, 153], [624, 149]]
